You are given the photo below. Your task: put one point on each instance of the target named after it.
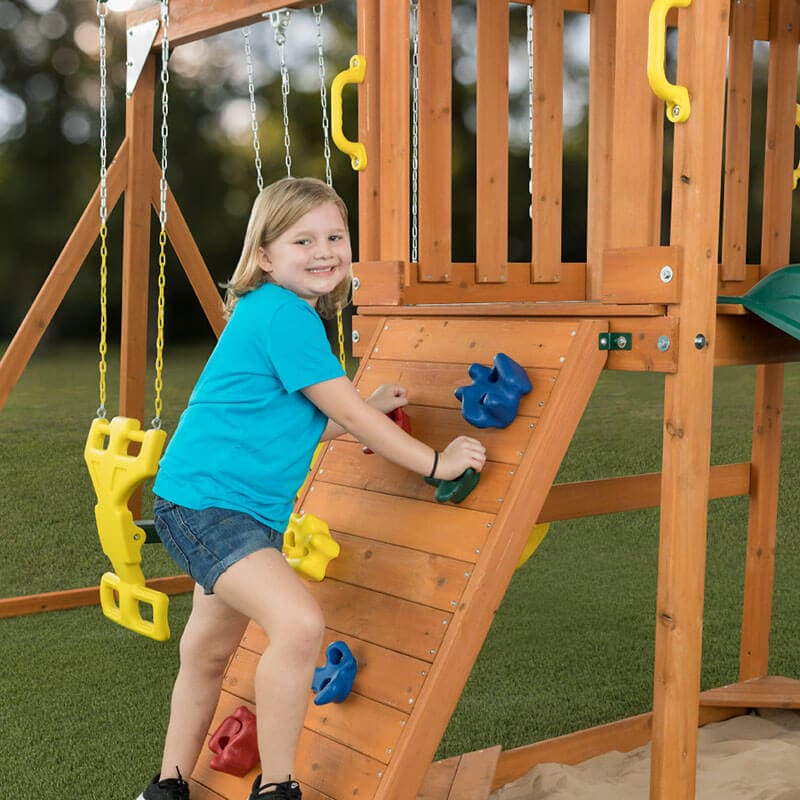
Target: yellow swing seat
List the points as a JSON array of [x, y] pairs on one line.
[[115, 474]]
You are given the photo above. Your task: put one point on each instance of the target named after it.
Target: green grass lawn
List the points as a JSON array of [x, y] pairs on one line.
[[85, 702]]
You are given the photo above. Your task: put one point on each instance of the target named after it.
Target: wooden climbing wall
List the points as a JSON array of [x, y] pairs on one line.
[[417, 584]]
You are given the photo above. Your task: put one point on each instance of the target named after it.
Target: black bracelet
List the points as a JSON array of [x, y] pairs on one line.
[[435, 463]]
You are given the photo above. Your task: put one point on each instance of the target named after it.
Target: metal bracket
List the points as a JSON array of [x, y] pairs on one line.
[[615, 341], [140, 41]]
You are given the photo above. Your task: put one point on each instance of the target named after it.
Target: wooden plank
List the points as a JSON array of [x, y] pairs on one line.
[[136, 250], [541, 344], [491, 236], [771, 691], [368, 40], [390, 622], [611, 495], [636, 275], [364, 329], [378, 727], [384, 675], [345, 464], [190, 20], [54, 289], [461, 287], [205, 288], [602, 46], [449, 530], [319, 763], [393, 158], [548, 146], [379, 282], [435, 384], [496, 565], [737, 142], [573, 748], [538, 310], [473, 780], [750, 340], [439, 779], [421, 577], [80, 598], [647, 354], [702, 50], [435, 139], [634, 214]]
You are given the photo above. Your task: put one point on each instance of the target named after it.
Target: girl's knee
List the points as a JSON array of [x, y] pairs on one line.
[[301, 632]]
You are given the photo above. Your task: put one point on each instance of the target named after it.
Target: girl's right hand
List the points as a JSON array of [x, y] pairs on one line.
[[458, 456]]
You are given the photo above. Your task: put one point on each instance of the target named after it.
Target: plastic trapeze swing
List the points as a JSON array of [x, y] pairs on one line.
[[119, 454]]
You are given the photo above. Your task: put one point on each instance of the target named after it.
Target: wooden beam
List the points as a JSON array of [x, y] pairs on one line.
[[79, 598], [702, 50], [190, 20], [61, 276]]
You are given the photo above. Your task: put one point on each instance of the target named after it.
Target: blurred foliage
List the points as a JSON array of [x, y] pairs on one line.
[[49, 164]]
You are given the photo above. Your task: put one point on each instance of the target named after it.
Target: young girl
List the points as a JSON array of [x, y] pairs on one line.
[[270, 391]]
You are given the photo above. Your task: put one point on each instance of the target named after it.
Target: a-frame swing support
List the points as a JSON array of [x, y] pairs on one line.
[[618, 289]]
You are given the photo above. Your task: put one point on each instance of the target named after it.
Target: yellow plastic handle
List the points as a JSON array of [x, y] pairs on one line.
[[676, 97], [355, 74], [796, 173]]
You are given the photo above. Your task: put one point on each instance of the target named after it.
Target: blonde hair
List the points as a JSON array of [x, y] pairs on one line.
[[277, 207]]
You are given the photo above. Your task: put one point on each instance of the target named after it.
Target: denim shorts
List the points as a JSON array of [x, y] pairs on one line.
[[205, 543]]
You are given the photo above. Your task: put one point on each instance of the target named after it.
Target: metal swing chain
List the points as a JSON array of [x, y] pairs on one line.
[[251, 89], [530, 106], [415, 133], [103, 346], [323, 96], [280, 21], [162, 214]]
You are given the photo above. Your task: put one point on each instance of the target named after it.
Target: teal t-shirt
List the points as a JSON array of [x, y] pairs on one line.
[[247, 437]]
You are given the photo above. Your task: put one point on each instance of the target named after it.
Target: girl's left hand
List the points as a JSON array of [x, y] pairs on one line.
[[388, 397]]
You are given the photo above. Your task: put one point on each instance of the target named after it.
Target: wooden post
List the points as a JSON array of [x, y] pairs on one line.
[[369, 228], [136, 245], [491, 236], [766, 454], [603, 22], [697, 163], [393, 153], [435, 139]]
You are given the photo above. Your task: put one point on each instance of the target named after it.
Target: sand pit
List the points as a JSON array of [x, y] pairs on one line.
[[754, 757]]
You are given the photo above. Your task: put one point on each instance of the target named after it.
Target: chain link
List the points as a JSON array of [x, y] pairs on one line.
[[251, 89], [323, 96], [280, 21], [415, 133], [103, 345]]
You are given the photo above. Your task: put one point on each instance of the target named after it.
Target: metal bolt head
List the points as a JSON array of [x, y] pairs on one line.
[[666, 274], [676, 111], [663, 343], [356, 284], [700, 341], [355, 335], [622, 342]]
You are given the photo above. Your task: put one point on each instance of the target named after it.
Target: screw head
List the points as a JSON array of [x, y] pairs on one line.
[[663, 343], [700, 341], [355, 335], [666, 274], [356, 283]]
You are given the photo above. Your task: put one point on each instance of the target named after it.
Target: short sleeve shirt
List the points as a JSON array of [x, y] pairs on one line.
[[247, 437]]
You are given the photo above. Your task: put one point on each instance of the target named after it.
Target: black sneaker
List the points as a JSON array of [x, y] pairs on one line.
[[169, 789], [288, 790]]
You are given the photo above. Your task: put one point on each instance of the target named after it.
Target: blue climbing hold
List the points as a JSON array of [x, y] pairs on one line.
[[333, 682], [492, 399]]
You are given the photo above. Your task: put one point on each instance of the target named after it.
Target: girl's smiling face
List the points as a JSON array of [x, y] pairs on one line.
[[312, 257]]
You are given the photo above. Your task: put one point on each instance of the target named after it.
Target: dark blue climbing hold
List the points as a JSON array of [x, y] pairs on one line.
[[492, 399], [333, 682]]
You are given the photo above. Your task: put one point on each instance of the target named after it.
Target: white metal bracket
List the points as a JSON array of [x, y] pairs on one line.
[[140, 40]]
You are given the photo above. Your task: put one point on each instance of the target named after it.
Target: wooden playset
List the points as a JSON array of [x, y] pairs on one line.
[[416, 584]]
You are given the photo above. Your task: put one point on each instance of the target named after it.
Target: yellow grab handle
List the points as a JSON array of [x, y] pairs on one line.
[[676, 97], [355, 74], [796, 173]]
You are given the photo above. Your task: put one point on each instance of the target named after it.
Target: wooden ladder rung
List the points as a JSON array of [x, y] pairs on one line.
[[467, 777]]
